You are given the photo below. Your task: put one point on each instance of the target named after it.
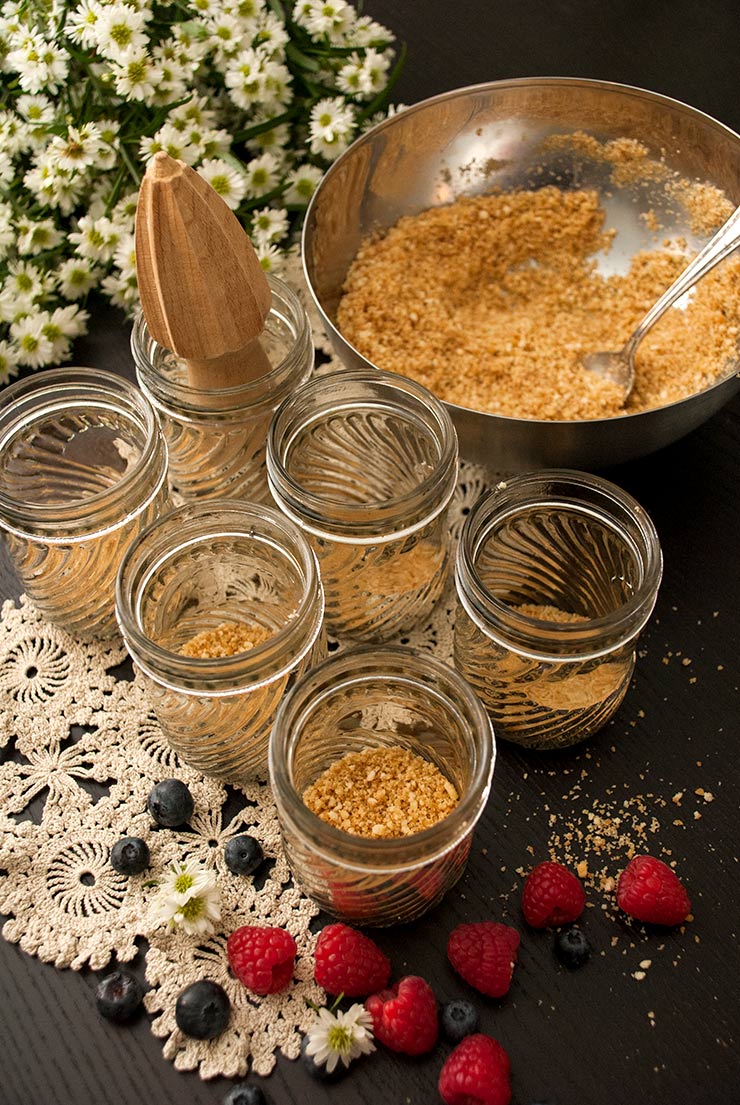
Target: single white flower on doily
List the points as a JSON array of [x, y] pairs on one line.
[[340, 1037], [188, 899]]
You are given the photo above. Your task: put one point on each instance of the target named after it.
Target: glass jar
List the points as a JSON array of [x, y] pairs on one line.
[[374, 697], [557, 572], [365, 462], [196, 577], [216, 438], [83, 468]]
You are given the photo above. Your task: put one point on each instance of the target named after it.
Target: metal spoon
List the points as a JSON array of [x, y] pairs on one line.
[[619, 366]]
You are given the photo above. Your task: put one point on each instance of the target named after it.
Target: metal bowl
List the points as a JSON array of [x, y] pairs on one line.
[[472, 140]]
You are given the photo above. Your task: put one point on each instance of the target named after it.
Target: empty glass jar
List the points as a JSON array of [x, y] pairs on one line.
[[83, 468], [375, 697], [220, 606], [216, 438], [557, 573], [365, 462]]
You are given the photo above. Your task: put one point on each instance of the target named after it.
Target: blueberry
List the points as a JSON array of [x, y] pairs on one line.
[[318, 1070], [119, 995], [170, 803], [459, 1019], [130, 855], [202, 1009], [572, 947], [243, 854], [245, 1093]]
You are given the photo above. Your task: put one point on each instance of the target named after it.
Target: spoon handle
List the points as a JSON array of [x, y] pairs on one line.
[[717, 248]]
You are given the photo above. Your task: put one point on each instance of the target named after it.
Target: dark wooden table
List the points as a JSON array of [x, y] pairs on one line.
[[599, 1036]]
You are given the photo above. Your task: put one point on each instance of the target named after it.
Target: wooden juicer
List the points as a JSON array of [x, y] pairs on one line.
[[204, 295]]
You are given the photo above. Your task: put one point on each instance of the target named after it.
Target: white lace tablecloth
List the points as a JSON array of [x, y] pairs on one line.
[[82, 751]]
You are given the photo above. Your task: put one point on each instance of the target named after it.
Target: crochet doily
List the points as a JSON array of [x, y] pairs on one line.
[[81, 753]]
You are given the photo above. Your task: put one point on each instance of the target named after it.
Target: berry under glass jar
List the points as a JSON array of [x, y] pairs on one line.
[[83, 469], [374, 698], [365, 462], [216, 437], [220, 606], [557, 573]]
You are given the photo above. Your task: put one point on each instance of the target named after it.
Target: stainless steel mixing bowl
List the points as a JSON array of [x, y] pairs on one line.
[[472, 140]]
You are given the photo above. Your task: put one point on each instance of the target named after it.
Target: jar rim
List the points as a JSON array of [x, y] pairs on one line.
[[536, 637], [218, 676], [342, 520], [262, 393], [366, 853], [37, 396]]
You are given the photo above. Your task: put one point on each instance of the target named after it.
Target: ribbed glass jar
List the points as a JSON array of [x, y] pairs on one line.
[[365, 462], [216, 438], [374, 697], [202, 568], [557, 573], [83, 468]]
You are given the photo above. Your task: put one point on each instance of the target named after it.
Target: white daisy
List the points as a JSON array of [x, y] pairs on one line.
[[34, 348], [81, 22], [271, 35], [302, 183], [271, 259], [340, 1037], [35, 109], [226, 37], [230, 184], [277, 139], [188, 899], [40, 64], [119, 28], [35, 236], [332, 18], [366, 32], [269, 224], [122, 291], [330, 127], [262, 175], [78, 149], [76, 276], [276, 87], [7, 228], [95, 238], [134, 75], [243, 78], [8, 361], [363, 76]]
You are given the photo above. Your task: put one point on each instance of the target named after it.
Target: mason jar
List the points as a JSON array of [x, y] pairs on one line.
[[556, 574], [83, 468], [379, 697], [216, 437], [220, 606], [365, 462]]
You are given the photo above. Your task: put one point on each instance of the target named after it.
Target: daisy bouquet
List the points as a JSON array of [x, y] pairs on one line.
[[258, 96]]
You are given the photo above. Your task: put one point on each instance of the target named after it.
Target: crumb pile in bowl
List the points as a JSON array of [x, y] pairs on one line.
[[490, 301]]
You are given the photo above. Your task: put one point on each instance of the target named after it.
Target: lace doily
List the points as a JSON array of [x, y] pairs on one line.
[[81, 753]]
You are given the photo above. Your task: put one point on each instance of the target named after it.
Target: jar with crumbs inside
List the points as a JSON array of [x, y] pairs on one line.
[[83, 469], [216, 437], [365, 462], [382, 702], [220, 606], [557, 573]]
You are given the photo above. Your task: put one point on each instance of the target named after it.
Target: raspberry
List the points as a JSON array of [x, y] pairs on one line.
[[552, 896], [476, 1073], [262, 958], [484, 954], [649, 890], [349, 963], [405, 1017]]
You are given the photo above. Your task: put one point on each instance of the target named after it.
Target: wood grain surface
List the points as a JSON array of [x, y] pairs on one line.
[[598, 1036]]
